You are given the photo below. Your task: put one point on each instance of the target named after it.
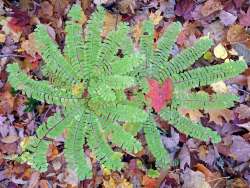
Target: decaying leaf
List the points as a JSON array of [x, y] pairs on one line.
[[217, 116], [210, 7], [243, 111]]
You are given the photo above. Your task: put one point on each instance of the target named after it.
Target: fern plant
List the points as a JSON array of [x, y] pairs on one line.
[[174, 81], [88, 80]]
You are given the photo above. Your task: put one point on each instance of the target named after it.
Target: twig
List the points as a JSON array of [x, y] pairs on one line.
[[10, 55]]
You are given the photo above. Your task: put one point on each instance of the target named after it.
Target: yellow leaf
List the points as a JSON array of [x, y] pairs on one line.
[[208, 56], [77, 89], [220, 87], [220, 51], [156, 17], [2, 38]]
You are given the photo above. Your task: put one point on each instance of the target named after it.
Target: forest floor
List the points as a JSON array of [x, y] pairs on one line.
[[196, 164]]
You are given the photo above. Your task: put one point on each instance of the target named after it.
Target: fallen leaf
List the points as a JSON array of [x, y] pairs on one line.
[[194, 115], [29, 46], [219, 87], [9, 139], [210, 7], [148, 182], [245, 18], [243, 111], [110, 23], [18, 21], [159, 95], [2, 38], [46, 9], [237, 33], [220, 51], [156, 17], [194, 179], [240, 149], [227, 18], [184, 157], [136, 33], [34, 180], [217, 116], [245, 126], [184, 8]]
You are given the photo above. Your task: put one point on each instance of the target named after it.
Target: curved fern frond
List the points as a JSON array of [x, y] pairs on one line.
[[36, 148], [186, 126], [166, 42], [99, 146], [203, 100], [56, 65], [39, 90], [155, 145], [73, 146], [208, 75], [185, 59], [74, 43], [120, 137]]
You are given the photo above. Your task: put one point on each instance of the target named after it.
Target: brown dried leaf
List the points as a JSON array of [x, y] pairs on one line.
[[110, 23], [237, 33], [194, 115], [9, 139], [243, 111], [217, 116], [210, 7]]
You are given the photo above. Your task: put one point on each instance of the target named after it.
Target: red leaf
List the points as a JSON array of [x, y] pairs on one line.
[[19, 20], [159, 95]]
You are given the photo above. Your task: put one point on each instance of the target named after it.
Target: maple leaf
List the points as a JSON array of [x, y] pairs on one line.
[[159, 95]]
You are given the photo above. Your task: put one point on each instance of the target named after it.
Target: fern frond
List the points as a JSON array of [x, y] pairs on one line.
[[56, 65], [93, 39], [39, 90], [36, 154], [35, 151], [155, 145], [185, 59], [120, 112], [147, 41], [203, 100], [121, 138], [73, 146], [127, 64], [74, 43], [208, 75], [109, 48], [166, 42], [99, 146], [186, 126]]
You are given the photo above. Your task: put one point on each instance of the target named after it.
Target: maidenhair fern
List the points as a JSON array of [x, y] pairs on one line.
[[91, 78], [172, 76], [88, 80]]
